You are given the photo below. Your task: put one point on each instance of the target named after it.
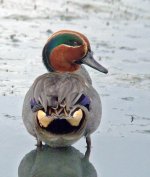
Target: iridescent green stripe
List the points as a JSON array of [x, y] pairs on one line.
[[68, 39]]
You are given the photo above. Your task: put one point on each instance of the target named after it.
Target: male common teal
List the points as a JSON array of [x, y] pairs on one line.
[[62, 106]]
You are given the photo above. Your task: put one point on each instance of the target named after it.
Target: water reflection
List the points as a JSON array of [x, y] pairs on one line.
[[49, 162]]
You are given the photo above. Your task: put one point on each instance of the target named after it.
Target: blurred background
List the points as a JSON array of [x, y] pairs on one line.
[[119, 32]]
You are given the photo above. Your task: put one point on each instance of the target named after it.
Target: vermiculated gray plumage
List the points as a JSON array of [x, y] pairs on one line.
[[50, 90]]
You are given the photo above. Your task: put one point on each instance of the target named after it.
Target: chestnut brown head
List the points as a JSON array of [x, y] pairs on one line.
[[66, 50]]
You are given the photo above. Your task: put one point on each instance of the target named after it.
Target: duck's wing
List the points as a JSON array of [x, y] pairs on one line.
[[54, 89]]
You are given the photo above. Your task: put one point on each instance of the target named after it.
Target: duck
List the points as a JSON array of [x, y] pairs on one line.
[[62, 106]]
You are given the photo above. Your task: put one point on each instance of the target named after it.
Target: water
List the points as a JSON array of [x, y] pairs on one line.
[[119, 32]]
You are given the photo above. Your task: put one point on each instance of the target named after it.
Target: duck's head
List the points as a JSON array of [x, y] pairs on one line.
[[66, 50]]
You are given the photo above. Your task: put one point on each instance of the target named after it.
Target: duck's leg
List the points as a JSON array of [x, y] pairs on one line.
[[88, 150], [39, 143], [88, 142]]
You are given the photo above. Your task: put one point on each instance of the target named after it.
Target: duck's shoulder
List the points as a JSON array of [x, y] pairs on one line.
[[82, 75]]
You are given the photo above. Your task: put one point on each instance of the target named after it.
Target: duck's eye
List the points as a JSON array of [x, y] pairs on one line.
[[44, 120], [76, 117], [75, 43]]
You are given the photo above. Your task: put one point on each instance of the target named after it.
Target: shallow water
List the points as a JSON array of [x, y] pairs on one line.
[[119, 32]]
